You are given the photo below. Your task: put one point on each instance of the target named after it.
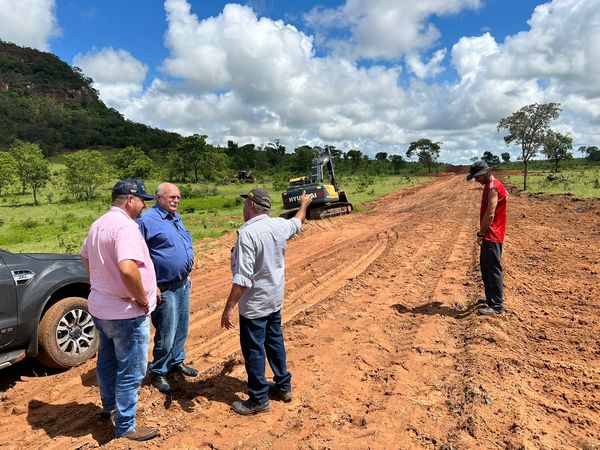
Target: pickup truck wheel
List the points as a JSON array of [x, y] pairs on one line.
[[67, 336]]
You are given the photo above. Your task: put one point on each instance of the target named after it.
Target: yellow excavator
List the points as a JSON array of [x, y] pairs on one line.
[[328, 200]]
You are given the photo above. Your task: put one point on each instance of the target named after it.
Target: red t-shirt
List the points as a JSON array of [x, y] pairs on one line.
[[495, 232]]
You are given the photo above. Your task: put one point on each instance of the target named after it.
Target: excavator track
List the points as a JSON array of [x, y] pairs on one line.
[[335, 209], [322, 212]]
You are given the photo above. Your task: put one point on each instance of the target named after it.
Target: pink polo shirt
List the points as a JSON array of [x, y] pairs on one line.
[[112, 238]]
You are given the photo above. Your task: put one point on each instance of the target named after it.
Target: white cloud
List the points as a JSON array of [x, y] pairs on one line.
[[29, 23], [385, 29], [117, 75], [428, 69]]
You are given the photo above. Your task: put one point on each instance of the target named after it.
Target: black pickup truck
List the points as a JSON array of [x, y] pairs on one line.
[[43, 310]]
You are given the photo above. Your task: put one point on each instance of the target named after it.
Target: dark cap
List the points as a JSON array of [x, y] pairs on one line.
[[478, 168], [260, 197], [131, 186]]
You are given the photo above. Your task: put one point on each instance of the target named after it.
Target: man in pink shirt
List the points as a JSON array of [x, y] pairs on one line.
[[123, 294]]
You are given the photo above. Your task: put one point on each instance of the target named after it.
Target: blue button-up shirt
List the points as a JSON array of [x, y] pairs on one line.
[[169, 242], [257, 262]]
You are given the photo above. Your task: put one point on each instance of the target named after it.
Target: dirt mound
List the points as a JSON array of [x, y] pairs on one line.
[[384, 345]]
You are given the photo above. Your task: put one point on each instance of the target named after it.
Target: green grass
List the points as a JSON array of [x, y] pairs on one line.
[[60, 225], [580, 182]]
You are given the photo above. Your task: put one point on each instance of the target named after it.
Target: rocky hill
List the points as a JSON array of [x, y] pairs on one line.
[[45, 100]]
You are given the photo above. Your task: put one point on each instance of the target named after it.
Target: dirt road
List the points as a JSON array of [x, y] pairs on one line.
[[383, 341]]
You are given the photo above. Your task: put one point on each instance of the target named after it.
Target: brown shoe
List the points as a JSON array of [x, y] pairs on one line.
[[139, 433]]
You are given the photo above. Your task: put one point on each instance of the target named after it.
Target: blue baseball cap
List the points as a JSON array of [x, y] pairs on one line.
[[131, 186]]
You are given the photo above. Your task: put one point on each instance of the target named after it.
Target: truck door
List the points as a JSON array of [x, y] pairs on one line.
[[8, 306]]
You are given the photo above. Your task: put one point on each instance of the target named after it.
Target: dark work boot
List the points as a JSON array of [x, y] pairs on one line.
[[249, 407], [489, 311], [161, 383], [276, 393], [188, 371]]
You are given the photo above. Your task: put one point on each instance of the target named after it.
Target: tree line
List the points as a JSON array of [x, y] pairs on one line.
[[192, 159]]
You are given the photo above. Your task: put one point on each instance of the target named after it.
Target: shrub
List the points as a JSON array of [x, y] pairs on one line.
[[29, 224]]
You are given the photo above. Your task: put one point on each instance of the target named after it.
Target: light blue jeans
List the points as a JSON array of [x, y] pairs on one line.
[[171, 321], [121, 366]]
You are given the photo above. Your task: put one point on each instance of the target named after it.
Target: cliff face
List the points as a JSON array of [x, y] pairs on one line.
[[44, 100]]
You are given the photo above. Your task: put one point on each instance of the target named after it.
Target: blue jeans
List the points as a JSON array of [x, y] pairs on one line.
[[171, 320], [121, 366], [257, 337]]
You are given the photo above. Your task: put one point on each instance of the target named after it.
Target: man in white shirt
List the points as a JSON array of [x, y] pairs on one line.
[[258, 268]]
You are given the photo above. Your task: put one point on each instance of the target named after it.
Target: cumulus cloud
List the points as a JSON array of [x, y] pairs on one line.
[[117, 75], [428, 69], [29, 23], [385, 29]]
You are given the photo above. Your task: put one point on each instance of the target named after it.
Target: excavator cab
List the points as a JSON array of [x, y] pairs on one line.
[[328, 200]]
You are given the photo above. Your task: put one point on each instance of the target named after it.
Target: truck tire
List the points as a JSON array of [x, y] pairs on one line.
[[67, 336]]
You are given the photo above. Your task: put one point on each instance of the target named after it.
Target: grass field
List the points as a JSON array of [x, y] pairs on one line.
[[60, 225], [582, 182]]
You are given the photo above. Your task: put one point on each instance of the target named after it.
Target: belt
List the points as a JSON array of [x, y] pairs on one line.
[[171, 285]]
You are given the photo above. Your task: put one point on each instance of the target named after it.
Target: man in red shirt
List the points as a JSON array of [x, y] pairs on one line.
[[492, 225]]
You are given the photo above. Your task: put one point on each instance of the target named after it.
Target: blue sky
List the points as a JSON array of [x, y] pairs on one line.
[[367, 74]]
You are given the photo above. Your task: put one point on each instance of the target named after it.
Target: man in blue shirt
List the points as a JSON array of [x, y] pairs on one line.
[[258, 268], [171, 250]]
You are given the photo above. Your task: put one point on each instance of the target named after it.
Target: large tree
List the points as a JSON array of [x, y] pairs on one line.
[[32, 168], [7, 170], [592, 153], [132, 162], [85, 171], [427, 151], [528, 128], [193, 151], [557, 147]]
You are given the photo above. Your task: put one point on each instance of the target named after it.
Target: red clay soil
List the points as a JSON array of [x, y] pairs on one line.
[[383, 339]]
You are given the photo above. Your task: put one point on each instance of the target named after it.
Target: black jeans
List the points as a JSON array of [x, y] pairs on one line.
[[257, 337], [490, 262]]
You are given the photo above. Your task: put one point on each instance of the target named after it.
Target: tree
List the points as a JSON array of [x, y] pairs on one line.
[[275, 153], [557, 146], [302, 160], [217, 165], [505, 157], [427, 151], [132, 162], [381, 156], [32, 168], [85, 171], [355, 156], [193, 150], [7, 170], [490, 159], [528, 128], [398, 162], [592, 153]]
